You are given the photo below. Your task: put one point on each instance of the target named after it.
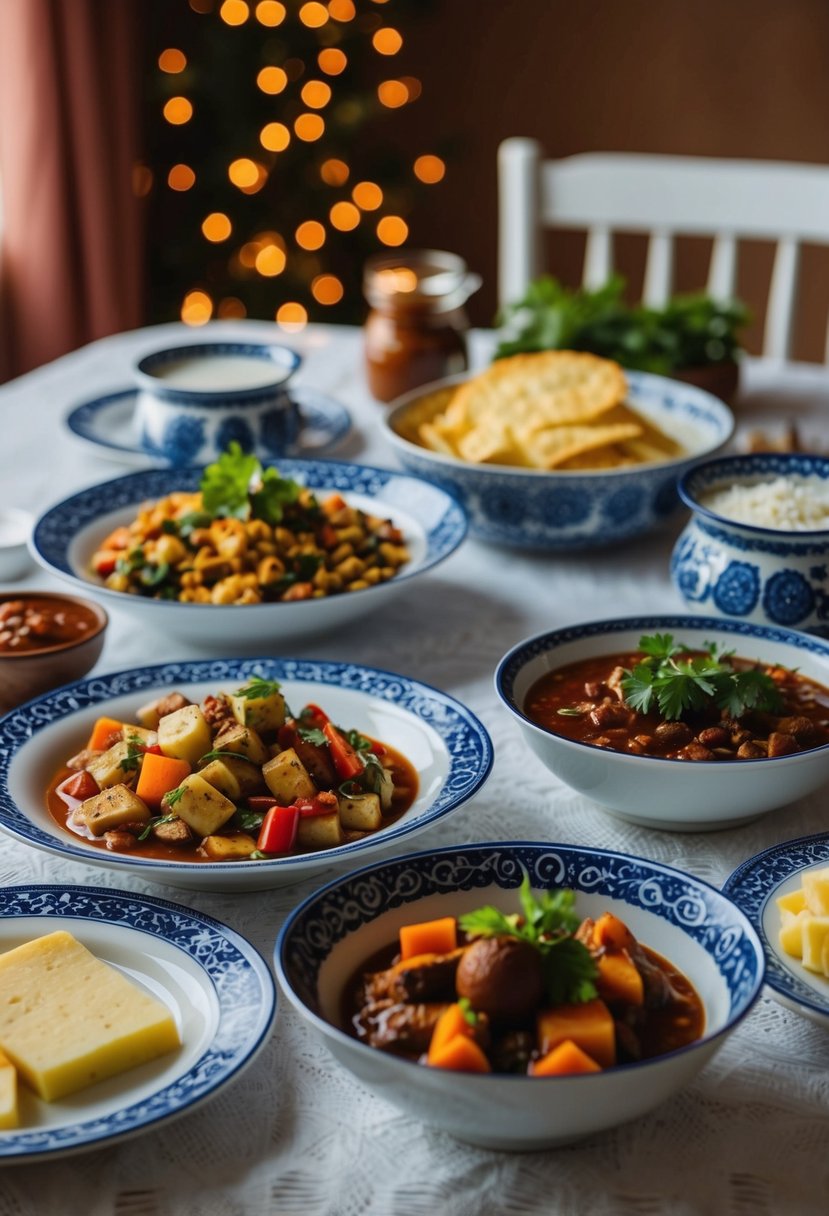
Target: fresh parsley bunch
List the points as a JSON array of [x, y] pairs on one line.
[[548, 923], [238, 486], [675, 685]]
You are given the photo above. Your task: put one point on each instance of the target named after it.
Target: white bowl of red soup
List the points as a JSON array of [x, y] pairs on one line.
[[236, 774], [684, 723], [603, 984]]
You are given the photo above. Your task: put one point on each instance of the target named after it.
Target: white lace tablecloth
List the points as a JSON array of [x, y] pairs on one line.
[[295, 1135]]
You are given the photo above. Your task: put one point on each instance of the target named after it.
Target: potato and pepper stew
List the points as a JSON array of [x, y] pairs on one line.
[[236, 778], [249, 536], [544, 993]]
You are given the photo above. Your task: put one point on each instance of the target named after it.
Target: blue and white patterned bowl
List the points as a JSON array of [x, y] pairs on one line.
[[328, 936], [754, 887], [764, 575], [676, 795], [66, 536], [215, 984], [535, 509], [448, 746], [192, 423]]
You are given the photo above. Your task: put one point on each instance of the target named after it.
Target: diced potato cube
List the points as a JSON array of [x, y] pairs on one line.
[[149, 716], [112, 807], [815, 935], [248, 776], [243, 741], [262, 714], [218, 774], [319, 832], [185, 734], [793, 902], [147, 737], [361, 812], [108, 768], [816, 891], [791, 933], [287, 778], [228, 848], [201, 806]]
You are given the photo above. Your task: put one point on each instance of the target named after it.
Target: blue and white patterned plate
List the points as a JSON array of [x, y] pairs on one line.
[[108, 425], [754, 886], [212, 980], [449, 748]]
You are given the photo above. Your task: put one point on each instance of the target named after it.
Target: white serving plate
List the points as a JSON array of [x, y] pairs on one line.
[[755, 886], [66, 536], [449, 748], [215, 984]]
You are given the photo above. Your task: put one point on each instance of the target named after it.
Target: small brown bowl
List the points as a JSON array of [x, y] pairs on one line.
[[25, 673]]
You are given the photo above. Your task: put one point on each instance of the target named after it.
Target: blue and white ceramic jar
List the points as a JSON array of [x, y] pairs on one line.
[[763, 574], [195, 399]]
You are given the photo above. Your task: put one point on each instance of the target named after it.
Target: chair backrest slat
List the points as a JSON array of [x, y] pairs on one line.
[[659, 270], [598, 257], [780, 309], [722, 271]]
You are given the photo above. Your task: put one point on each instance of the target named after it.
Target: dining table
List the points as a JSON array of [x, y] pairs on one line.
[[296, 1135]]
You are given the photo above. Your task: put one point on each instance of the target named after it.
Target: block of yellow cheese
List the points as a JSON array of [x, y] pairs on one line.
[[8, 1093], [68, 1020]]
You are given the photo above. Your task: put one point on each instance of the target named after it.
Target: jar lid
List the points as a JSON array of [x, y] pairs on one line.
[[418, 278]]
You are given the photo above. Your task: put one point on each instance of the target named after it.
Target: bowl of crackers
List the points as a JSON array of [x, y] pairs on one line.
[[558, 450]]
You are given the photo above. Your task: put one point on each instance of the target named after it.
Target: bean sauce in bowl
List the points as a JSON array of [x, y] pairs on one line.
[[683, 723], [46, 640]]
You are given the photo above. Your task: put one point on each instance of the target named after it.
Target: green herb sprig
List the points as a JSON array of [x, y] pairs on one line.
[[675, 685], [258, 688], [238, 486]]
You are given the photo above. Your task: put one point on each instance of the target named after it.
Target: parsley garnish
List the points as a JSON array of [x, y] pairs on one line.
[[257, 688], [373, 774], [174, 796], [674, 685], [469, 1014], [247, 820], [359, 742], [135, 754], [153, 823], [548, 923], [312, 734], [237, 485]]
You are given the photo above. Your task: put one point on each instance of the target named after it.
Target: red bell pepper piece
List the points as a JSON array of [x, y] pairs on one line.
[[346, 761], [322, 804], [278, 831], [261, 802], [152, 750], [78, 788], [318, 716]]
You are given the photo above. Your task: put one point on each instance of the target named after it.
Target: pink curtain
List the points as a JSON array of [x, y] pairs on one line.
[[70, 260]]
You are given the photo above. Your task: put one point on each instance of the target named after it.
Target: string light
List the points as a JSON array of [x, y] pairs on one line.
[[342, 10], [392, 230], [316, 94], [367, 195], [412, 86], [327, 289], [272, 80], [196, 308], [275, 136], [309, 127], [344, 216], [270, 261], [216, 227], [270, 13], [313, 14], [181, 177], [172, 61], [387, 41], [332, 61], [178, 110], [392, 93], [292, 317], [310, 235], [234, 12], [429, 169], [334, 172], [245, 174]]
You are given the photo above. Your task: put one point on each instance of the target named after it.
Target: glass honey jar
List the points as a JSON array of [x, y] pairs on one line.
[[416, 329]]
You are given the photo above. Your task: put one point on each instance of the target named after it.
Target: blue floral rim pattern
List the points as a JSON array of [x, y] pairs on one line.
[[243, 987], [344, 905], [749, 469], [754, 884], [284, 360], [465, 738]]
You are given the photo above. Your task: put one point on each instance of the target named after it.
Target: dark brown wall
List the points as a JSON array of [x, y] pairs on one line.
[[735, 78]]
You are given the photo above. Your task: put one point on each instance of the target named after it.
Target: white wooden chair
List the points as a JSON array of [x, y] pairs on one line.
[[666, 196]]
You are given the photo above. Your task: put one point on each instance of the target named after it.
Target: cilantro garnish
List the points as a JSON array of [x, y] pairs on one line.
[[153, 823], [174, 796], [247, 820], [674, 684], [359, 742], [548, 923], [373, 774], [135, 754], [312, 734], [239, 486], [257, 688]]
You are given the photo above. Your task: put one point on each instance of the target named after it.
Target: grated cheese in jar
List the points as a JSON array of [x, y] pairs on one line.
[[786, 504]]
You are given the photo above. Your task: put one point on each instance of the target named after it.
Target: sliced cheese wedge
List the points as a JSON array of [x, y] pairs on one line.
[[8, 1093]]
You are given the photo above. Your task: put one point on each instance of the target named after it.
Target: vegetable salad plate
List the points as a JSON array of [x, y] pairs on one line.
[[443, 747], [755, 887], [214, 983], [262, 606], [107, 425]]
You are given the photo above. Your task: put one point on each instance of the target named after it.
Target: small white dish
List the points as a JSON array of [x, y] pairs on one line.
[[215, 984], [448, 746], [108, 426], [754, 887], [15, 531]]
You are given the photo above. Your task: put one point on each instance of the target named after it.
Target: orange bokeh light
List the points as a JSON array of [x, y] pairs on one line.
[[270, 261], [272, 80], [234, 12], [332, 61], [196, 308], [429, 169], [327, 289], [392, 230], [244, 172], [270, 12], [216, 226], [367, 195], [334, 172], [178, 110], [316, 94], [275, 136], [342, 10], [387, 41], [172, 61], [313, 14], [231, 309], [392, 93], [309, 127], [344, 216], [310, 235], [181, 177], [142, 180], [292, 316], [413, 86]]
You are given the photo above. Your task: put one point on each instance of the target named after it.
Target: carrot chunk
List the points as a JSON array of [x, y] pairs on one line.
[[429, 937], [159, 775], [461, 1054], [103, 734], [450, 1024], [619, 980], [612, 933], [563, 1060], [589, 1025]]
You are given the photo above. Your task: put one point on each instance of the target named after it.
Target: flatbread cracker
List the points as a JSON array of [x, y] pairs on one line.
[[550, 448]]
